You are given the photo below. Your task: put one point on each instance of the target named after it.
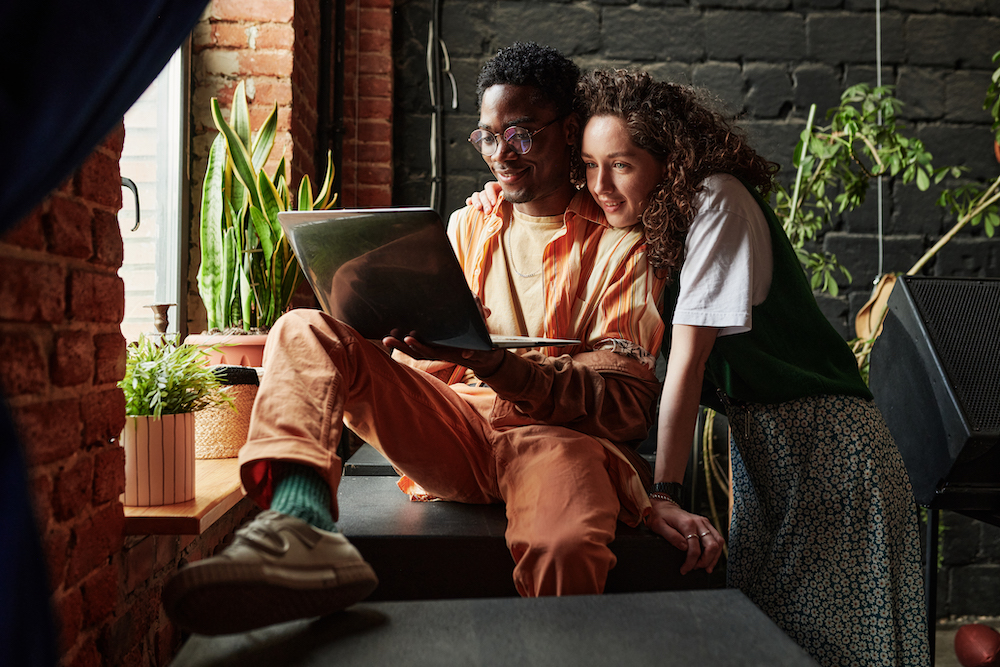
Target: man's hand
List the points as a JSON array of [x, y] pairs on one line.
[[482, 363], [688, 532]]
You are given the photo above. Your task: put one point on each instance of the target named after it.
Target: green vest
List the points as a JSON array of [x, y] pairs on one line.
[[791, 352]]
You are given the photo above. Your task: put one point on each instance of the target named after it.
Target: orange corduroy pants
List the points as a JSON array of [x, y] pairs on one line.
[[561, 503]]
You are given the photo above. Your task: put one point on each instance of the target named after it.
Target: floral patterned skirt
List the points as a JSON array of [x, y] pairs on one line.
[[824, 535]]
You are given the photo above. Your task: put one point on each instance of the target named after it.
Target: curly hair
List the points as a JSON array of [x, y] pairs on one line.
[[551, 74], [692, 140]]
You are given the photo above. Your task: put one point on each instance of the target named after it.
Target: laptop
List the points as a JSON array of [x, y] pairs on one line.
[[392, 271]]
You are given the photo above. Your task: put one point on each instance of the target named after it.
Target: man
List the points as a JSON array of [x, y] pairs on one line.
[[545, 432]]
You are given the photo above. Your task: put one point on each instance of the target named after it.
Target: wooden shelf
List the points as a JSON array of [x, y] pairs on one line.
[[217, 490]]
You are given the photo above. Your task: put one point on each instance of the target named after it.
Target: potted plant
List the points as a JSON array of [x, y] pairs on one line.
[[165, 383], [835, 166], [970, 203], [248, 271]]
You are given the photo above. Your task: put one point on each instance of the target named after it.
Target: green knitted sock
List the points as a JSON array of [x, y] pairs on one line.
[[300, 491]]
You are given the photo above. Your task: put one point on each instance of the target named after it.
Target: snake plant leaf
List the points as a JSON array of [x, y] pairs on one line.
[[322, 198], [263, 228], [264, 141], [246, 295], [239, 114], [239, 122], [212, 223], [281, 172], [281, 187], [242, 163], [305, 194], [232, 189], [272, 203], [291, 278], [228, 287]]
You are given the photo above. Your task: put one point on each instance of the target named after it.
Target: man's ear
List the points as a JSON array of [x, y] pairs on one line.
[[572, 127]]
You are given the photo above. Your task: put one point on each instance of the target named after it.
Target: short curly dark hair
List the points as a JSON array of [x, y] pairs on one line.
[[550, 73], [684, 133]]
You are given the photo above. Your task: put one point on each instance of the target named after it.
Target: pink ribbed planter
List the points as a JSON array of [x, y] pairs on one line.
[[159, 459]]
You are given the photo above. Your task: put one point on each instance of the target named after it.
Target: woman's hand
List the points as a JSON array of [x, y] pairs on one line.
[[688, 532], [485, 199]]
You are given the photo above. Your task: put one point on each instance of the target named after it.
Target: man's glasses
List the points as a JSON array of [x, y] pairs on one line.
[[518, 138]]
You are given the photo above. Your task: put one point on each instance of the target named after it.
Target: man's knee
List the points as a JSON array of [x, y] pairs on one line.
[[562, 563], [304, 326], [300, 319]]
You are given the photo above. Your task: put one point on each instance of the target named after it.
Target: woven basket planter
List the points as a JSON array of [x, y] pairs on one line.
[[220, 431]]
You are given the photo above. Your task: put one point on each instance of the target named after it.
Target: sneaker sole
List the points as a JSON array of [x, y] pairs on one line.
[[227, 598]]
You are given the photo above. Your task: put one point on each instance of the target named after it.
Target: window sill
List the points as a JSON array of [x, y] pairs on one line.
[[217, 490]]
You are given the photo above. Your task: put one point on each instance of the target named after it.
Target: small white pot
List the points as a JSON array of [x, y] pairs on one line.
[[159, 459]]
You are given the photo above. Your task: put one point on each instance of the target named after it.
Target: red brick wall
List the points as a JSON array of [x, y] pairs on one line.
[[61, 355], [367, 152], [305, 90]]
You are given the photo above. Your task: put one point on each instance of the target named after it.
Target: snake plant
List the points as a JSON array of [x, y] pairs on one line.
[[248, 270]]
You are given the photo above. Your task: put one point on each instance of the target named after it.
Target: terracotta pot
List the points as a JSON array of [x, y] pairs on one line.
[[159, 459], [234, 349]]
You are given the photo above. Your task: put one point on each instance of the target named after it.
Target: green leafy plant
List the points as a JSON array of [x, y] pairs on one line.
[[992, 101], [165, 377], [835, 166], [971, 203], [248, 271]]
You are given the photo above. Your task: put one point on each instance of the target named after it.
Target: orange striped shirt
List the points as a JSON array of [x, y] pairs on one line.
[[597, 284]]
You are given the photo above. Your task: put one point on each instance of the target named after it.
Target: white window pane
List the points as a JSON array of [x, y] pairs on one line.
[[152, 159]]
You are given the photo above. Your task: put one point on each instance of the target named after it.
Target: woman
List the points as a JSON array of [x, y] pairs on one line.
[[823, 535]]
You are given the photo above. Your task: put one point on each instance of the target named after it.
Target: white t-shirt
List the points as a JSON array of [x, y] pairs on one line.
[[727, 263]]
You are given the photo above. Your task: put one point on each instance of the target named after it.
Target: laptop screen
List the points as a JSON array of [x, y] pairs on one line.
[[387, 271]]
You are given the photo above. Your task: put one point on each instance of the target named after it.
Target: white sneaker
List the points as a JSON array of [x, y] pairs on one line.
[[278, 568]]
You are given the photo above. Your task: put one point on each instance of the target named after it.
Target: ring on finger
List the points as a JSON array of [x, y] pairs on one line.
[[688, 537], [704, 534]]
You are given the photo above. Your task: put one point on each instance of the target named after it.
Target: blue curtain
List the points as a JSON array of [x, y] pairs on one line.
[[69, 70]]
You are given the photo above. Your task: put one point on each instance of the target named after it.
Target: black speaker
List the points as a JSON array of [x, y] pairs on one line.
[[935, 374]]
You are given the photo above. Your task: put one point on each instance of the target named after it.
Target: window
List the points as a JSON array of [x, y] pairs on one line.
[[153, 158]]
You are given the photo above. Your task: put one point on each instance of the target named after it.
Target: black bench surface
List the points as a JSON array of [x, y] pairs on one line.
[[441, 550], [721, 628], [368, 461]]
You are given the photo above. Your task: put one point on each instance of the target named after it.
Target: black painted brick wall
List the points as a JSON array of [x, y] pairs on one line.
[[768, 60]]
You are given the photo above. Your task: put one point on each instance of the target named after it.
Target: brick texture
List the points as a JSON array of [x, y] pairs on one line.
[[61, 353], [73, 360], [22, 365], [28, 234]]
